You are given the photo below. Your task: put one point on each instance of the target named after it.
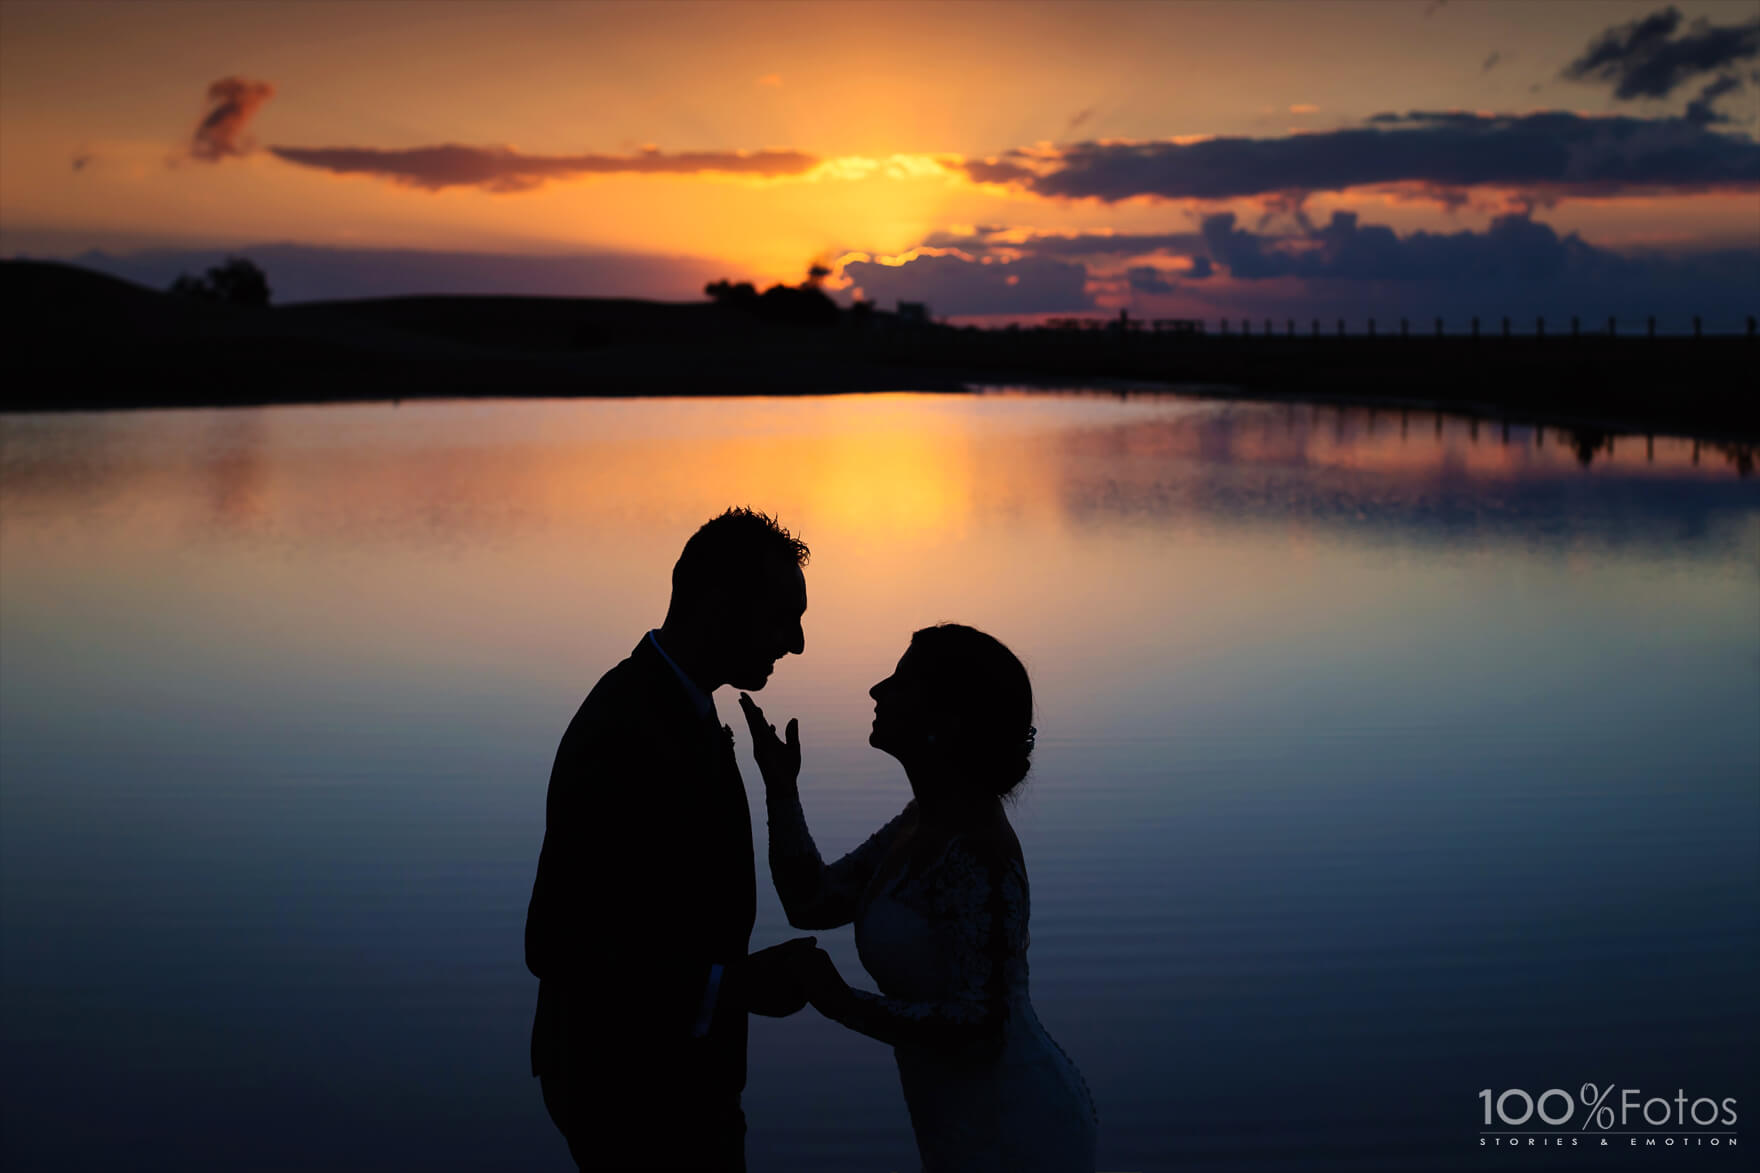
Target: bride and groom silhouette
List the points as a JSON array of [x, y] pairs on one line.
[[641, 915]]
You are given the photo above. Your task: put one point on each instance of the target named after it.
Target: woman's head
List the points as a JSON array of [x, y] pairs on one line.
[[959, 698]]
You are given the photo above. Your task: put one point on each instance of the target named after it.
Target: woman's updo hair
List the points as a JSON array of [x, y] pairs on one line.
[[983, 687]]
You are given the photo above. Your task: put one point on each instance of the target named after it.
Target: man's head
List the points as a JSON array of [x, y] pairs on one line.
[[738, 595]]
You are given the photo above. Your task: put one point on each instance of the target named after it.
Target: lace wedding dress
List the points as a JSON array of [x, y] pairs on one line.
[[987, 1088]]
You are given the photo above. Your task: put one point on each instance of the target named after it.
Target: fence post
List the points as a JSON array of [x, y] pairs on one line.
[[1475, 329], [1371, 327], [1402, 328], [1610, 327], [1650, 326], [1539, 327], [1696, 332], [1439, 327], [1506, 327]]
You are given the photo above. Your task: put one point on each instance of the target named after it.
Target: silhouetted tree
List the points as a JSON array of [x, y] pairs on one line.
[[236, 281], [1587, 442], [801, 305], [725, 292]]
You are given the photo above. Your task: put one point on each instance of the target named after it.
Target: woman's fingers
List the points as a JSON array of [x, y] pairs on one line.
[[754, 716]]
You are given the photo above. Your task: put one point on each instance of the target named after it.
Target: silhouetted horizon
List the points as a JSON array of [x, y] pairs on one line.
[[91, 340]]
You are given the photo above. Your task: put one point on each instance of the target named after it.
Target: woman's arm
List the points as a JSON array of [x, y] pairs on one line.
[[979, 907], [813, 894]]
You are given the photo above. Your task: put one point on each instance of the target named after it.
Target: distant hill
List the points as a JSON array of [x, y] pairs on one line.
[[47, 299], [303, 272], [85, 339], [79, 339]]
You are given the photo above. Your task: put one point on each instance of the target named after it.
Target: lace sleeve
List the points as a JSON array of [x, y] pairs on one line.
[[814, 895], [980, 912]]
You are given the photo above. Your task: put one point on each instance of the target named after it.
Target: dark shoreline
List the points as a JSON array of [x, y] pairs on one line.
[[84, 341]]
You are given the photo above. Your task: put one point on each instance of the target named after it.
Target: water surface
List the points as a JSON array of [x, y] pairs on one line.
[[1383, 758]]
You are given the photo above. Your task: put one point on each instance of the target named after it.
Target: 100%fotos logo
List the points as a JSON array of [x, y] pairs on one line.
[[1557, 1108], [1667, 1119]]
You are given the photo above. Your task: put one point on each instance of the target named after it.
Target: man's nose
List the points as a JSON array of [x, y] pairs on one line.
[[875, 691], [799, 643]]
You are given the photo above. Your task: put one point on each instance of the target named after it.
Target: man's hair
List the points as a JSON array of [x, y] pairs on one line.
[[731, 552]]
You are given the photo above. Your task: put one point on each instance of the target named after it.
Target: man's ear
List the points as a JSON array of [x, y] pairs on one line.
[[721, 606]]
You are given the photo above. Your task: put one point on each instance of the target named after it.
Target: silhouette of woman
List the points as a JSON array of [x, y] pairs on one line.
[[938, 897]]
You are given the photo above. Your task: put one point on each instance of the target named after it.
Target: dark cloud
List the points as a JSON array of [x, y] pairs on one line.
[[1149, 279], [1559, 151], [1291, 204], [1077, 119], [1514, 247], [1153, 279], [1517, 266], [232, 101], [1491, 62], [1644, 59], [1701, 112], [503, 169], [1003, 170], [954, 286], [81, 160]]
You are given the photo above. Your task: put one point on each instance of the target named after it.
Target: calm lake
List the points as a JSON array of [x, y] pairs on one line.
[[1382, 759]]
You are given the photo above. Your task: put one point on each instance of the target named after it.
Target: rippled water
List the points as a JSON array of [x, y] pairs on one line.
[[1383, 758]]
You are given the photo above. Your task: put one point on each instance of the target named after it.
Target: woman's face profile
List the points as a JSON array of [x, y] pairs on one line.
[[901, 725]]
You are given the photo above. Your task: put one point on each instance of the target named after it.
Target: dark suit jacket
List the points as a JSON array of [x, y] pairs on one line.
[[646, 879]]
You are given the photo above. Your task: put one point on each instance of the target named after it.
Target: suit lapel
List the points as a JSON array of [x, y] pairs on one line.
[[710, 799]]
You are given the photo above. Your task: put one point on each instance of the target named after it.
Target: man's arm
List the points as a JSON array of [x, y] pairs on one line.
[[614, 901]]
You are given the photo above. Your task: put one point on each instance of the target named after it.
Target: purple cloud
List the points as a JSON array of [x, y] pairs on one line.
[[1149, 279], [1644, 59], [954, 285], [503, 169], [1701, 110], [232, 102], [1557, 151], [1517, 265]]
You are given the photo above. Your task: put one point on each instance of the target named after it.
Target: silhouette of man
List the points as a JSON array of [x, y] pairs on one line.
[[642, 911]]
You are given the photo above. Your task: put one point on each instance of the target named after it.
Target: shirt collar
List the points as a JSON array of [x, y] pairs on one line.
[[700, 700]]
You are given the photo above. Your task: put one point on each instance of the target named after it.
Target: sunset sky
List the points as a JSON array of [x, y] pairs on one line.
[[1596, 156]]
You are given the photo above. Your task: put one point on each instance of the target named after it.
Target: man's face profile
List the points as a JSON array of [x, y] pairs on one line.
[[763, 624]]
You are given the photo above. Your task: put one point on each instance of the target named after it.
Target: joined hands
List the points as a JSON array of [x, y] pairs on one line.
[[780, 980], [800, 965]]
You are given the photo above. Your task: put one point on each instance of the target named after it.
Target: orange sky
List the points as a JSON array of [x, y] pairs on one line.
[[98, 102]]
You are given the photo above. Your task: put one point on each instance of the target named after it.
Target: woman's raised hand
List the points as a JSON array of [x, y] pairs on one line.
[[779, 761]]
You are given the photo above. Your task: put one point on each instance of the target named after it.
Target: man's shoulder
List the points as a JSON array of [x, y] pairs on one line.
[[619, 694], [629, 699]]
